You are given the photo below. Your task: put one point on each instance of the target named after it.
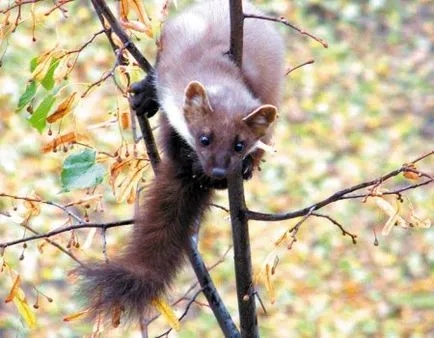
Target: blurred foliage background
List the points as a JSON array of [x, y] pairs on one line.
[[365, 107]]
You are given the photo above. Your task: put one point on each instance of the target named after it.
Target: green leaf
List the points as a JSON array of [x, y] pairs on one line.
[[33, 63], [48, 81], [39, 116], [27, 96], [81, 171]]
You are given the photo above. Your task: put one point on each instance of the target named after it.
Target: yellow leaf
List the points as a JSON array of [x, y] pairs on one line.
[[42, 68], [75, 315], [268, 284], [25, 311], [167, 312], [62, 69], [19, 299]]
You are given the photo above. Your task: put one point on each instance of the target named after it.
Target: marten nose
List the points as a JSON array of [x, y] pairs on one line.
[[218, 172]]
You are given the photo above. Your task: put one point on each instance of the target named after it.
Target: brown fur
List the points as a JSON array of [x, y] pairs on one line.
[[155, 251]]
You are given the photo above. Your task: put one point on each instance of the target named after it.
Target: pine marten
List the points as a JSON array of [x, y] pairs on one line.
[[214, 115]]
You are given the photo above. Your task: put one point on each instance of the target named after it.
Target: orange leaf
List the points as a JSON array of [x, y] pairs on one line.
[[63, 139], [125, 9], [64, 108], [116, 316], [137, 6], [14, 290], [409, 174], [125, 120]]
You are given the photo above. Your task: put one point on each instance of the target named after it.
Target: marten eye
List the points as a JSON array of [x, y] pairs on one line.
[[205, 140], [239, 147]]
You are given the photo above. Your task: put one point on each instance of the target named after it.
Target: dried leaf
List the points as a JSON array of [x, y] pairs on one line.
[[125, 176], [137, 26], [14, 290], [33, 207], [409, 174], [86, 200], [124, 9], [19, 299], [137, 6], [116, 316], [75, 315], [132, 196], [392, 212], [63, 109], [125, 120], [104, 124], [62, 139], [167, 312], [268, 284], [130, 182], [62, 69], [42, 68], [118, 42]]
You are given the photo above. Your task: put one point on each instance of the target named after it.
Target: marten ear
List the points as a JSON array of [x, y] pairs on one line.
[[260, 119], [196, 99]]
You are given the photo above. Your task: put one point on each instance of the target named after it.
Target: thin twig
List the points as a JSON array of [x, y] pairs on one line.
[[287, 23], [55, 244], [66, 229], [290, 70], [87, 43], [54, 204], [101, 7], [344, 232], [19, 4], [256, 293], [220, 207]]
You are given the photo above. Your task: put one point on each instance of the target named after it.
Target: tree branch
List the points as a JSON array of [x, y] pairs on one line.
[[66, 229], [209, 290], [239, 221], [345, 193], [237, 31], [242, 256], [102, 8]]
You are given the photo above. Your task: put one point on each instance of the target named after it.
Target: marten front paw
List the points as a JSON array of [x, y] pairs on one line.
[[248, 167], [144, 98]]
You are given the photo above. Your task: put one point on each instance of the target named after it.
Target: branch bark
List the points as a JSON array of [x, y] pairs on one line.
[[240, 229], [242, 256]]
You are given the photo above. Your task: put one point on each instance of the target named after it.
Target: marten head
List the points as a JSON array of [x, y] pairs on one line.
[[223, 138]]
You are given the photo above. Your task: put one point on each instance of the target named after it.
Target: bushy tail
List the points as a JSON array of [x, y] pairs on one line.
[[155, 251]]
